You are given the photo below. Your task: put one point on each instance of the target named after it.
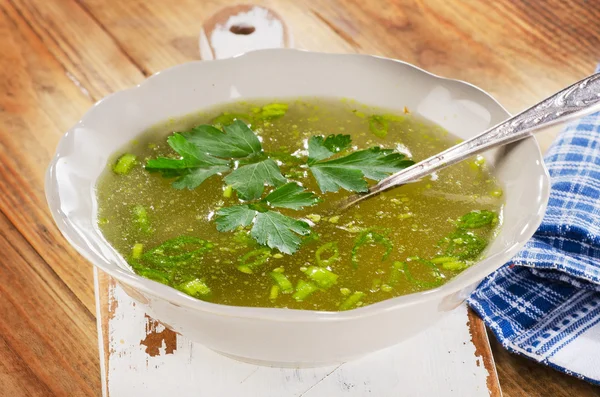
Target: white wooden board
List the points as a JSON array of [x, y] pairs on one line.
[[443, 361]]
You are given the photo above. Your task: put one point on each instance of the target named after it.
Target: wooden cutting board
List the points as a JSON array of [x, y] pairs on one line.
[[140, 357]]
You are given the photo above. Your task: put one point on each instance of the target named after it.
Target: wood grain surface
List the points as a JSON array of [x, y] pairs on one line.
[[60, 56]]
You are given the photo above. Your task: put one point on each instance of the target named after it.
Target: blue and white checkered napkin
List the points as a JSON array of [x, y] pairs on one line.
[[545, 304]]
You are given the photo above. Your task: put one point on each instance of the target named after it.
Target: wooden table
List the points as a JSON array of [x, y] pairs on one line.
[[59, 57]]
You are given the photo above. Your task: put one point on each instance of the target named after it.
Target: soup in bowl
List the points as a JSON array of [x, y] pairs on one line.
[[210, 193]]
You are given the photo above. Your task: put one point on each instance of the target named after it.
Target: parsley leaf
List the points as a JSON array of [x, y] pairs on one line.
[[291, 195], [249, 180], [193, 168], [320, 148], [279, 231], [230, 218], [237, 140], [270, 227], [348, 172], [196, 176]]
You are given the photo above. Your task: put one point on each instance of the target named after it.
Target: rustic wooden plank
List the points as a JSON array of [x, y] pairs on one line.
[[505, 47], [442, 361], [480, 340], [172, 32], [46, 330], [523, 377], [39, 103], [89, 54]]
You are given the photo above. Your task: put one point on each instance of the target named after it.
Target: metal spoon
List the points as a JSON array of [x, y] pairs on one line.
[[574, 101]]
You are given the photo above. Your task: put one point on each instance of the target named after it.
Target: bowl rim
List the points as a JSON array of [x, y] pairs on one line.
[[474, 274]]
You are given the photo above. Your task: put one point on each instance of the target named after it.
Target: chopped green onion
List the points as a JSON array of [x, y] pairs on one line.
[[271, 111], [379, 126], [496, 193], [283, 283], [396, 273], [136, 252], [176, 251], [443, 259], [454, 265], [320, 275], [274, 292], [345, 291], [437, 276], [141, 218], [303, 290], [260, 257], [195, 287], [228, 191], [326, 247], [463, 245], [124, 164], [316, 218], [386, 288], [153, 274], [477, 219], [369, 237], [334, 219], [351, 301]]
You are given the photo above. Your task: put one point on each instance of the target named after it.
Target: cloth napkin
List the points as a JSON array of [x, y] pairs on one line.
[[545, 303]]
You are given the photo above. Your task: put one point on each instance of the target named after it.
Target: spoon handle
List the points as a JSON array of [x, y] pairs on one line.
[[577, 100]]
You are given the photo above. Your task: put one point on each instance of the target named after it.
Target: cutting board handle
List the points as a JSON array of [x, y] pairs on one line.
[[241, 28]]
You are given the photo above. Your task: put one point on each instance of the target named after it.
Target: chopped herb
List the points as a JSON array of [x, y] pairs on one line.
[[370, 237], [196, 288], [435, 279], [253, 260], [228, 118], [379, 126], [455, 265], [125, 164], [227, 192], [141, 219], [303, 290], [274, 292], [335, 255], [322, 276], [351, 301], [477, 219], [271, 111], [152, 274], [136, 252], [176, 250], [463, 245], [282, 282]]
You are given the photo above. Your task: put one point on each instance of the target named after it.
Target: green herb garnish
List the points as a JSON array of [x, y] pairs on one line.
[[249, 180], [193, 168], [477, 219], [205, 151], [349, 172], [270, 227]]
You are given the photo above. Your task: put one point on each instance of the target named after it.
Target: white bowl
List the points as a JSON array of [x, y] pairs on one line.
[[283, 336]]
